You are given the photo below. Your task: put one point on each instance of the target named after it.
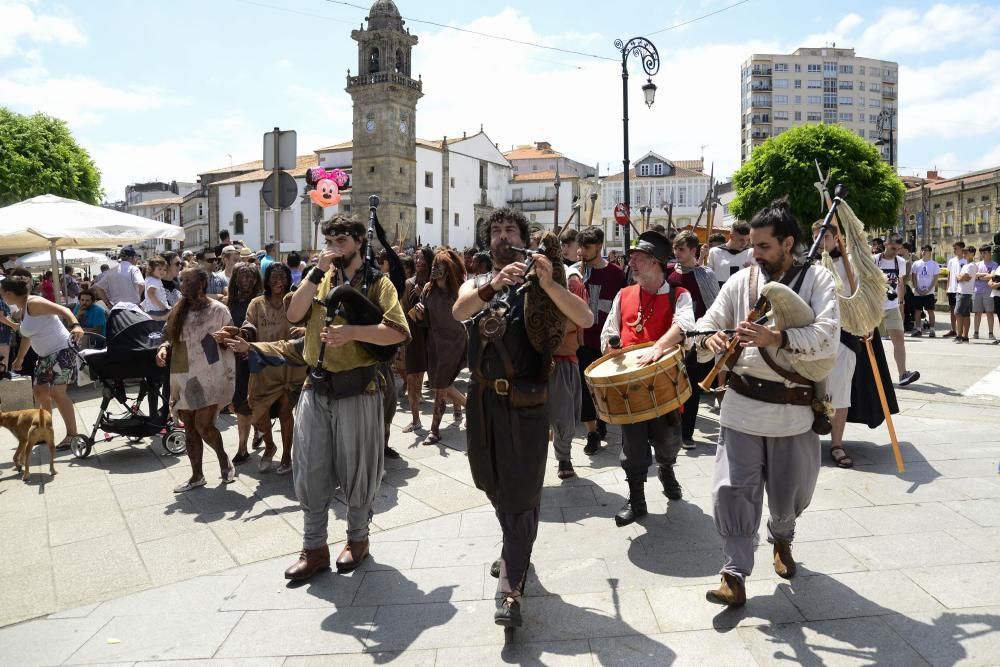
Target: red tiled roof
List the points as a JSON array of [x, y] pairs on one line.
[[302, 163], [548, 175]]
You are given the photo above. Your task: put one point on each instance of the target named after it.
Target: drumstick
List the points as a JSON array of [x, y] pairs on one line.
[[755, 313]]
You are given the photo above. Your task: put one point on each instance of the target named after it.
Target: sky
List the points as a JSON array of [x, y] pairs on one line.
[[165, 90]]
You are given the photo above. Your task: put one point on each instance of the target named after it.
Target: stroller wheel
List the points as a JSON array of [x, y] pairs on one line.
[[175, 443], [80, 446]]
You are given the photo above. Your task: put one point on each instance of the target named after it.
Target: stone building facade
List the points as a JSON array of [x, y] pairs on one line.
[[940, 211]]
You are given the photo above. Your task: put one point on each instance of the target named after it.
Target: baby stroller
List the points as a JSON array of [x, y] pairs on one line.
[[130, 354]]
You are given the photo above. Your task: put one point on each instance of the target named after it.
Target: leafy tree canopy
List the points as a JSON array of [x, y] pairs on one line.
[[38, 156], [786, 165]]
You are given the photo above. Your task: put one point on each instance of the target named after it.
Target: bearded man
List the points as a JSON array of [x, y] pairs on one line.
[[508, 418], [339, 417]]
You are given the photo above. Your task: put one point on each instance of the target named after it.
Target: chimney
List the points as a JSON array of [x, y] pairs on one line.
[[543, 145], [932, 175]]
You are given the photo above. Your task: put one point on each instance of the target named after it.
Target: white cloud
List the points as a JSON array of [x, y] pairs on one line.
[[957, 98], [19, 21]]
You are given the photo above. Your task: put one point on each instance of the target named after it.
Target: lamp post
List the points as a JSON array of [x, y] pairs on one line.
[[644, 50], [886, 120]]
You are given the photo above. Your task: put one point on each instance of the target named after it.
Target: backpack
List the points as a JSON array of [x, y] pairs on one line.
[[72, 288]]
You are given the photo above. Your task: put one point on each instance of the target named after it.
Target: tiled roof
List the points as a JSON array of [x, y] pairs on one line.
[[244, 166], [970, 179], [302, 163], [531, 153], [548, 175], [163, 201], [693, 165], [427, 143], [678, 173]]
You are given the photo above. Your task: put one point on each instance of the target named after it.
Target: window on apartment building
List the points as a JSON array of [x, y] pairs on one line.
[[201, 210], [238, 223], [428, 179], [847, 69], [236, 190], [861, 86], [874, 102], [644, 170], [429, 216], [780, 67], [861, 133], [798, 115], [781, 99], [658, 169], [815, 83], [798, 99], [845, 100], [861, 69], [814, 67], [456, 219], [781, 115], [517, 194], [874, 71], [845, 85], [798, 83], [815, 99], [875, 87], [846, 117], [830, 68], [778, 130], [781, 83], [814, 117]]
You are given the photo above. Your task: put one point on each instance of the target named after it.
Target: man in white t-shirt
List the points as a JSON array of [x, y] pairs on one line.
[[726, 260], [894, 267], [995, 293], [924, 273], [124, 283], [966, 288], [955, 265]]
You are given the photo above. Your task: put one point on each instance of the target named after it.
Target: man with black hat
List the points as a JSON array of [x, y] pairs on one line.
[[650, 311], [124, 283]]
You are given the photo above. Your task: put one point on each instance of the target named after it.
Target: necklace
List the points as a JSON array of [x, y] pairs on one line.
[[643, 314]]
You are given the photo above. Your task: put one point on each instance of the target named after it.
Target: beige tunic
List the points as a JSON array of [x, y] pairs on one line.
[[202, 374]]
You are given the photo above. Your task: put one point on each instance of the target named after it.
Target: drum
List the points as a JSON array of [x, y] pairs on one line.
[[626, 393]]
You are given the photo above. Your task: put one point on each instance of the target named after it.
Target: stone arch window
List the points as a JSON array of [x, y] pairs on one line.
[[238, 221], [373, 60], [401, 62]]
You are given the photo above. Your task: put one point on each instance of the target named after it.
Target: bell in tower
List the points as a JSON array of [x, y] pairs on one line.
[[385, 105]]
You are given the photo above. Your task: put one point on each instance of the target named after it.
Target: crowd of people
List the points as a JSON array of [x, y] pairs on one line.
[[317, 341]]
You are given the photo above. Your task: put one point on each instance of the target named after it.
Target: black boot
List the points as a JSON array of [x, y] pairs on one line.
[[508, 614], [671, 487], [635, 507]]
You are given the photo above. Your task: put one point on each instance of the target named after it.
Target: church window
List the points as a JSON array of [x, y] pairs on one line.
[[428, 179], [373, 61], [452, 181], [429, 216], [400, 63], [236, 190], [456, 219], [483, 175], [238, 223]]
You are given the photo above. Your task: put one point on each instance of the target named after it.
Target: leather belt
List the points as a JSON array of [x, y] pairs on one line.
[[767, 391], [500, 385]]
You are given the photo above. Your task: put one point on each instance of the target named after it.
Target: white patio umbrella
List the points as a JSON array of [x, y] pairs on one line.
[[51, 222], [70, 256]]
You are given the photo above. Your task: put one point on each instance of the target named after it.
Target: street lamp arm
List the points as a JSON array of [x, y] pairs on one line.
[[643, 49]]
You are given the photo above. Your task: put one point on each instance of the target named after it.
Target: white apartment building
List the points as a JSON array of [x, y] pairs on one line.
[[477, 176], [816, 85], [540, 176], [164, 209]]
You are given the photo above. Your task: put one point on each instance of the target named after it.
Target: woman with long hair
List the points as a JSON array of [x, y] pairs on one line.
[[244, 287], [43, 331], [447, 340], [202, 372], [416, 350], [274, 391]]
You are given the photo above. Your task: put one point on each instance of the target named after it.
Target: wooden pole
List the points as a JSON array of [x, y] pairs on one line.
[[900, 466]]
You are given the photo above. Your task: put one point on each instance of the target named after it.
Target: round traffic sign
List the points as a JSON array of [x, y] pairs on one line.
[[622, 215], [288, 190]]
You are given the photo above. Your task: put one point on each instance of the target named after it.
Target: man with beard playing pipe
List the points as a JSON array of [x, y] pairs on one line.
[[765, 436], [338, 420], [650, 311], [508, 419]]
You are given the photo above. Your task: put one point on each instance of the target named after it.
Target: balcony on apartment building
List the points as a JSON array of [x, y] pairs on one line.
[[761, 118], [760, 70], [888, 77], [762, 102], [760, 85], [760, 134], [889, 93]]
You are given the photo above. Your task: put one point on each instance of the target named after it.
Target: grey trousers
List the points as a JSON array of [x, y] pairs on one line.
[[337, 442], [519, 532], [662, 433], [745, 465], [565, 398]]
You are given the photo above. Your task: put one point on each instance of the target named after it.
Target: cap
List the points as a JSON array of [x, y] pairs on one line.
[[128, 251], [655, 245]]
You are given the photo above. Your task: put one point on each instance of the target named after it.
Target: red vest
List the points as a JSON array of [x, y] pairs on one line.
[[658, 321]]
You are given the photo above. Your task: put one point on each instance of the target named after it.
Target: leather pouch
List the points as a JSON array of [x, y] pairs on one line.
[[527, 395], [342, 385]]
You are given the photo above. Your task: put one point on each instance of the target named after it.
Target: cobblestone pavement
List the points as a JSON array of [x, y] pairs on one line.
[[895, 569]]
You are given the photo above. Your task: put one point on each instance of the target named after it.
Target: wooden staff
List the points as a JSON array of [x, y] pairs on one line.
[[896, 452]]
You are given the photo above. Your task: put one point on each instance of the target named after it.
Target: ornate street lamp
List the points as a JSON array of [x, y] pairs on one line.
[[643, 49]]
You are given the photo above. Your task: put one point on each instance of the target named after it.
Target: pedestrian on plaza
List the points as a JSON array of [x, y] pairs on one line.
[[893, 266], [995, 294], [906, 251], [244, 287], [416, 360], [570, 247], [481, 263], [603, 280], [123, 284], [155, 302], [295, 265], [269, 256], [732, 256], [565, 383], [925, 277], [409, 268], [202, 373], [955, 265], [171, 283], [446, 339], [766, 441], [508, 422], [966, 295], [982, 302], [217, 284], [700, 282], [467, 259], [42, 330], [70, 287], [47, 287], [229, 256]]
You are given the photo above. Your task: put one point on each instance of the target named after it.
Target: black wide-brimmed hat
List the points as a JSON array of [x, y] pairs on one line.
[[655, 245]]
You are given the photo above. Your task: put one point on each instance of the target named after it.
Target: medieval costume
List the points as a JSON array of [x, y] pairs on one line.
[[565, 387], [641, 316]]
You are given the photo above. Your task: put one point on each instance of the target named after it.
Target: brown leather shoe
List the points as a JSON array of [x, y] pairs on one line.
[[731, 592], [352, 555], [309, 563], [784, 564]]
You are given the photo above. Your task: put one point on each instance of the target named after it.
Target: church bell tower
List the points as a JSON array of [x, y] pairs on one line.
[[385, 104]]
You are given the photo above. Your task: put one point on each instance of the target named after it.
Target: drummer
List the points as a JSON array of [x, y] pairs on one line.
[[650, 311]]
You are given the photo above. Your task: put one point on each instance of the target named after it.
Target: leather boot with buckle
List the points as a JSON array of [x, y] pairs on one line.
[[784, 564], [732, 591], [635, 507], [309, 563], [671, 487], [352, 555]]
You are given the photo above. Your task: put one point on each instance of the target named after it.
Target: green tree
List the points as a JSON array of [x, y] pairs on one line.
[[38, 156], [786, 165]]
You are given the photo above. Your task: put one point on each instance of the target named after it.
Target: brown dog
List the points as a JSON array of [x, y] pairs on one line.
[[32, 427]]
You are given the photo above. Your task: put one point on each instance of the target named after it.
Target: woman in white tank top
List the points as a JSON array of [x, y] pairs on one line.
[[43, 330]]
